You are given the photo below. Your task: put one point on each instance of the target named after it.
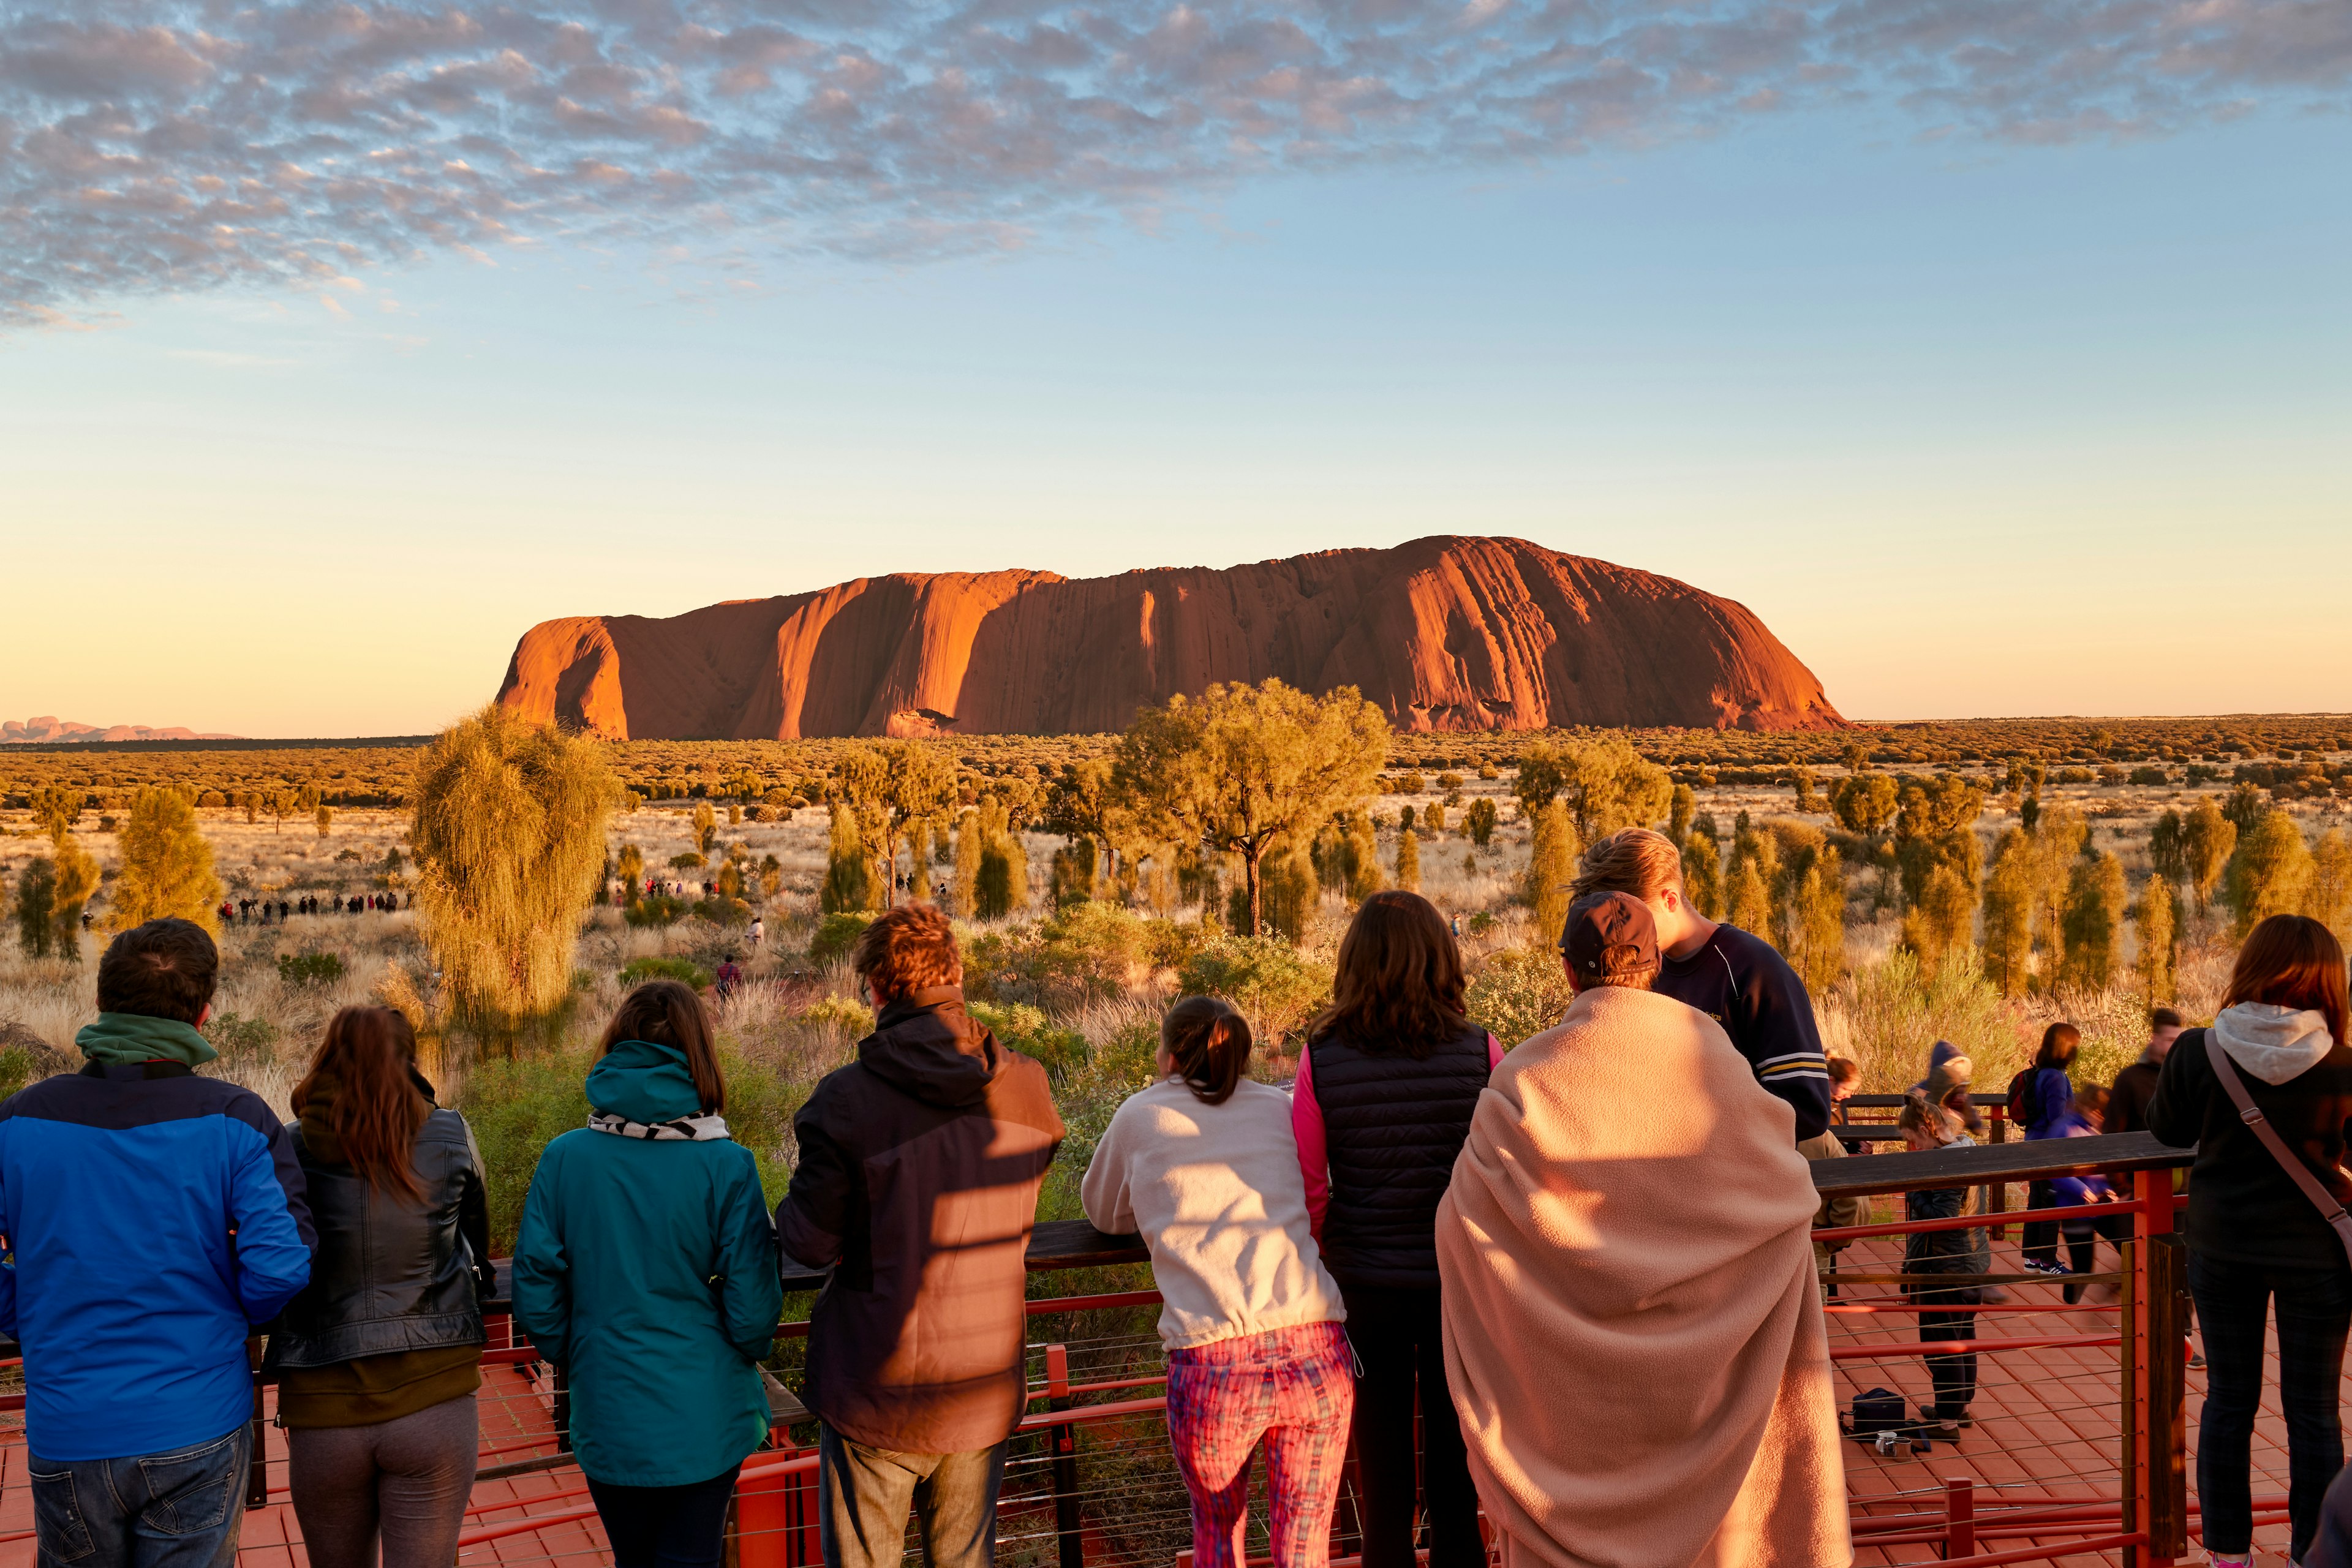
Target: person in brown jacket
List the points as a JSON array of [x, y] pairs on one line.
[[919, 1165]]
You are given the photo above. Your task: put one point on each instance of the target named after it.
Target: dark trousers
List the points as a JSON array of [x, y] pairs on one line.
[[665, 1527], [863, 1495], [1401, 1350], [2315, 1309], [2041, 1235], [1954, 1377]]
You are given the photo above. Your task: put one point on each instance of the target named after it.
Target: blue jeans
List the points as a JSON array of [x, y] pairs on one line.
[[179, 1509], [2314, 1309]]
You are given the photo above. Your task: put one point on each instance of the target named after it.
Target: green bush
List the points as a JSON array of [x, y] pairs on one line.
[[1518, 992], [16, 1067], [227, 1033], [516, 1107], [638, 970], [661, 910], [851, 1018], [297, 969], [1275, 987], [836, 935], [1058, 1050]]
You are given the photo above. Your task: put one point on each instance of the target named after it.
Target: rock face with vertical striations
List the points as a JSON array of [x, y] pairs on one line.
[[1442, 633]]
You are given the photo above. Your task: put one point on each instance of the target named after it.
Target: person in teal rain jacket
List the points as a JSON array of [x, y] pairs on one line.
[[647, 1270]]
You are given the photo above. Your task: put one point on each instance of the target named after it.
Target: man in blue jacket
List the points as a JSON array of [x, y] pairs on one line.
[[154, 1219]]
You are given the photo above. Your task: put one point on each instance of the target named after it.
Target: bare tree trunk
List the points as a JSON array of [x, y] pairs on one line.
[[1249, 874]]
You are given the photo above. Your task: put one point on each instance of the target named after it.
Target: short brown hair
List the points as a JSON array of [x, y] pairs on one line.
[[911, 947], [1634, 861], [2165, 1018], [1844, 1070], [2291, 961], [1400, 982], [1210, 1041], [669, 1012], [1920, 1115], [164, 969]]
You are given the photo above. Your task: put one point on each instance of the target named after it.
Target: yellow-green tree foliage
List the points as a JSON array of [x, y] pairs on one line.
[[2156, 967], [509, 839], [1702, 873], [1941, 919], [1606, 784], [1680, 812], [77, 879], [706, 829], [895, 785], [1363, 857], [1246, 766], [1812, 921], [1292, 890], [167, 865], [1478, 821], [36, 908], [2009, 906], [1934, 826], [323, 816], [1408, 861], [1865, 804], [2272, 871], [2096, 896], [1550, 868], [967, 840], [1750, 904], [2058, 836], [848, 876], [2208, 839], [2330, 898], [1002, 885], [57, 807]]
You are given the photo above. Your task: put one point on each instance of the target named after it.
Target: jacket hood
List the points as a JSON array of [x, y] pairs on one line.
[[2272, 1042], [643, 1082], [926, 1045]]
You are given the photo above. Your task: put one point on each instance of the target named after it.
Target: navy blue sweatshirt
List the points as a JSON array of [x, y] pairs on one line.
[[1738, 981]]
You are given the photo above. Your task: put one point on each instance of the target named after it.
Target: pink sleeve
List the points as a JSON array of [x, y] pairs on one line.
[[1493, 1051], [1313, 1154]]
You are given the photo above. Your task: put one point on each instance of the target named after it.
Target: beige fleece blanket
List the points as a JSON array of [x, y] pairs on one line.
[[1632, 1330]]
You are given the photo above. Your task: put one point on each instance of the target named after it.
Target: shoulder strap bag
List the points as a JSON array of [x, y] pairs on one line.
[[2251, 1114]]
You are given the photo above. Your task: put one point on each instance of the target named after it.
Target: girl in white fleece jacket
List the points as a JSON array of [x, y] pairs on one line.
[[1203, 1164]]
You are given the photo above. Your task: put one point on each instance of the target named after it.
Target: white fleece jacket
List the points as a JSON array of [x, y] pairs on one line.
[[1216, 1191]]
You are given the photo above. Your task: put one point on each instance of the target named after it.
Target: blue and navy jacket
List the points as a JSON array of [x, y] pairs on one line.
[[153, 1219]]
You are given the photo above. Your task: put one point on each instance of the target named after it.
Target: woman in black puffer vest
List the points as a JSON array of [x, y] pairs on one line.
[[378, 1359], [1386, 1086]]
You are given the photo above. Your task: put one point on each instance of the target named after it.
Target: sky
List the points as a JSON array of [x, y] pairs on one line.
[[1998, 356]]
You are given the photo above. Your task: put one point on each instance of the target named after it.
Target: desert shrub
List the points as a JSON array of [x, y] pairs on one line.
[[1518, 992], [836, 935], [688, 861], [1276, 987], [230, 1033], [300, 969], [638, 970], [661, 910], [850, 1017], [1030, 1032], [15, 1070], [516, 1107], [1888, 1015]]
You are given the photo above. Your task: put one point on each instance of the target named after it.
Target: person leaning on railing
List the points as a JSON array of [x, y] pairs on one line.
[[647, 1270], [1926, 1127], [2039, 1099], [2255, 1235], [1203, 1164], [378, 1359]]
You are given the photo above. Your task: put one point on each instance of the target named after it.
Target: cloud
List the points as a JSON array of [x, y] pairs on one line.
[[181, 145]]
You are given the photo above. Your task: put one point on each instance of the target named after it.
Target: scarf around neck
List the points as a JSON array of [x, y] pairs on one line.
[[708, 1128], [129, 1038]]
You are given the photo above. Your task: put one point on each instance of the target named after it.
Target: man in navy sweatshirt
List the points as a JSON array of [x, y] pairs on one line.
[[1736, 979], [155, 1220]]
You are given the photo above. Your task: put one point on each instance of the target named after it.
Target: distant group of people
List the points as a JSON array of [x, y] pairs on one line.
[[1485, 1268], [260, 911]]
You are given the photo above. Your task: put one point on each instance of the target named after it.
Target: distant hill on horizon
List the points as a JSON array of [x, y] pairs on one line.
[[1447, 633], [48, 729]]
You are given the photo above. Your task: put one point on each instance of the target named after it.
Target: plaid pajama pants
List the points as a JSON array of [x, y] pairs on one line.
[[1295, 1388]]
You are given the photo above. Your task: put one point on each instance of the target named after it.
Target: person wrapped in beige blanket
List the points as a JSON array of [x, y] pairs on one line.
[[1632, 1330]]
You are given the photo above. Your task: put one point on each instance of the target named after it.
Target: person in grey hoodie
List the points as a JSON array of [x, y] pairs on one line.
[[2254, 1235]]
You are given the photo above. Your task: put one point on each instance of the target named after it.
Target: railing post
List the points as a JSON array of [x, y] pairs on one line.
[[1998, 1191], [1959, 1517], [1065, 1440], [2155, 1280], [256, 1473]]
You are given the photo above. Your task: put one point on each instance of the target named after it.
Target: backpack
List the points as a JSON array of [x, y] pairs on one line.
[[1878, 1410], [2021, 1112]]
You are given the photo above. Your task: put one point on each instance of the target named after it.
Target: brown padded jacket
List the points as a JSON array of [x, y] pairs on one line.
[[919, 1165]]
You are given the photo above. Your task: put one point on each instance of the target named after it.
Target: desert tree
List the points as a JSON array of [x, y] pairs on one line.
[[1809, 797], [507, 833], [1750, 900], [1941, 919], [1246, 766], [2270, 872], [1702, 873], [323, 816], [895, 785], [2009, 905], [1001, 882], [2056, 839], [1607, 785], [630, 867], [1551, 867], [1936, 827], [1085, 802], [36, 908], [1681, 810], [56, 808], [2208, 839], [167, 865], [704, 826], [1362, 857], [849, 875], [1292, 888], [2156, 913], [2245, 806], [2168, 848], [1856, 756], [1432, 819], [1865, 804], [1408, 861], [1812, 917], [2095, 898], [1478, 821], [77, 880], [2328, 899]]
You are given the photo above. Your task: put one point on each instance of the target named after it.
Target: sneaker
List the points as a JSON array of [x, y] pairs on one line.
[[2043, 1266]]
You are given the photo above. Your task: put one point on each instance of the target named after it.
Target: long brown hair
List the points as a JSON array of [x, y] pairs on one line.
[[2059, 1044], [1210, 1041], [2293, 961], [1400, 983], [376, 1112], [667, 1013]]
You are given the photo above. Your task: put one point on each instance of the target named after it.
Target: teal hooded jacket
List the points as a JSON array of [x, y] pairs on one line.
[[647, 1270]]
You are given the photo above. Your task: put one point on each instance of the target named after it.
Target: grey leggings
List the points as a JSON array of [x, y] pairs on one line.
[[404, 1481]]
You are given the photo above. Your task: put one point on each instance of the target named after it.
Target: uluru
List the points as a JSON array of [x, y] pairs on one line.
[[1443, 632]]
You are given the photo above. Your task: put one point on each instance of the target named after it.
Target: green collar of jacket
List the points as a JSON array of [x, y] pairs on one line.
[[136, 1037]]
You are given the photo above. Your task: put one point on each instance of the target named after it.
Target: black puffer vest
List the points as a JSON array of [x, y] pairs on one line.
[[1392, 1126], [391, 1274]]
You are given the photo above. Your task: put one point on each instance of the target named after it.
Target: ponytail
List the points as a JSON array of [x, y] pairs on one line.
[[1210, 1043]]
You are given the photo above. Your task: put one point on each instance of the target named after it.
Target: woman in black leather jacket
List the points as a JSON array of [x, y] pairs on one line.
[[378, 1359]]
